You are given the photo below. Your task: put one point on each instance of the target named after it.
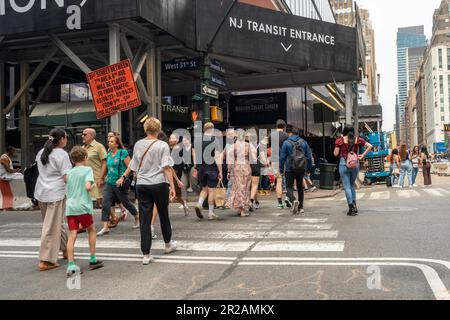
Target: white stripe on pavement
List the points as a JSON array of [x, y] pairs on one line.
[[434, 193], [245, 235], [213, 246], [309, 220], [306, 226], [404, 194], [437, 286], [300, 246], [383, 195], [443, 191]]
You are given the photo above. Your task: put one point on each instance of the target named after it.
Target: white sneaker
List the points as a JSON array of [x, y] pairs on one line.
[[213, 216], [313, 189], [170, 247], [302, 211], [411, 187], [102, 232], [190, 190], [415, 185], [147, 259], [186, 211], [396, 186], [295, 206], [181, 207]]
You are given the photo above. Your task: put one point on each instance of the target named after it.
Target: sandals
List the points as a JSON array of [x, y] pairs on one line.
[[45, 266]]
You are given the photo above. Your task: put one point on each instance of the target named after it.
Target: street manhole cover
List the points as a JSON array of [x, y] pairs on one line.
[[393, 209]]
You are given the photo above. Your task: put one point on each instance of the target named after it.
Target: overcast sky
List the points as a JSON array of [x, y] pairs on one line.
[[387, 16]]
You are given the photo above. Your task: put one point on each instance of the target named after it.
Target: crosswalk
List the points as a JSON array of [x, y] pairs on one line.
[[285, 234], [392, 194]]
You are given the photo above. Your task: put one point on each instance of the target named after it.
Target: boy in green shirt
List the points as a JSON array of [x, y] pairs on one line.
[[79, 208]]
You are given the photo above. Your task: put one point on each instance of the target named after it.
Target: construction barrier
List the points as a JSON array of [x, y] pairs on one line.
[[441, 168], [13, 195]]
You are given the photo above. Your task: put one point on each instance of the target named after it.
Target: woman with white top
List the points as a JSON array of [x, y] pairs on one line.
[[152, 164], [53, 163], [7, 171]]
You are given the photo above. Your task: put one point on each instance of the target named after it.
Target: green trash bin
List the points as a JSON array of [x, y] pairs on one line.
[[327, 174]]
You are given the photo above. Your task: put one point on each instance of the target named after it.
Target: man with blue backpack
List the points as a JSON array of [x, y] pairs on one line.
[[295, 160]]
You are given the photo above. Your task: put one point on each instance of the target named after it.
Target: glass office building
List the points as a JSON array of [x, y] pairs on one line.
[[409, 37], [314, 9]]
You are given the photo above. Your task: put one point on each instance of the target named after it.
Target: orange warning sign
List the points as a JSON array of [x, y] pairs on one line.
[[113, 89]]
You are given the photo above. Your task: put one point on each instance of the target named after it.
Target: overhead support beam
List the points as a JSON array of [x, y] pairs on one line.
[[137, 66], [244, 64], [159, 84], [325, 100], [25, 85], [137, 31], [64, 48], [99, 56], [151, 82], [25, 145], [114, 57], [2, 105], [46, 87]]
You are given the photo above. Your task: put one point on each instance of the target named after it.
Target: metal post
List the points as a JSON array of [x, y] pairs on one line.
[[24, 117], [158, 84], [306, 112], [206, 75], [114, 57], [348, 103], [2, 105], [355, 110], [151, 83]]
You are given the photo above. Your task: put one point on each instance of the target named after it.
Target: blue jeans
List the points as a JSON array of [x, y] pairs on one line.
[[230, 184], [415, 172], [394, 178], [406, 169], [348, 177]]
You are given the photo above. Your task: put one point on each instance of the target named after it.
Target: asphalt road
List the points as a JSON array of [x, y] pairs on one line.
[[397, 248]]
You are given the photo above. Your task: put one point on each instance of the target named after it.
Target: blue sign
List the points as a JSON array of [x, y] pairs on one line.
[[218, 80], [181, 64]]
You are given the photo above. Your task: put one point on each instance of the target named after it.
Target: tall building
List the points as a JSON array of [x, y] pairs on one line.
[[437, 78], [409, 37], [345, 12], [421, 106]]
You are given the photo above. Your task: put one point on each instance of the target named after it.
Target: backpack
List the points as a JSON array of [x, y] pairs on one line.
[[297, 161], [31, 175], [352, 161]]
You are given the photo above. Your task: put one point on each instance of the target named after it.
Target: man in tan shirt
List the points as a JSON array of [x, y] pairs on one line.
[[97, 161]]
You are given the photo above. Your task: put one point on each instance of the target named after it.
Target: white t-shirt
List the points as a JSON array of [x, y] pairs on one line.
[[156, 159], [50, 186]]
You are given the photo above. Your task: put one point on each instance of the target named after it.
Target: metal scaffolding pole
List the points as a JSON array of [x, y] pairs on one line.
[[151, 82], [158, 84], [24, 117], [114, 57], [348, 103], [2, 105]]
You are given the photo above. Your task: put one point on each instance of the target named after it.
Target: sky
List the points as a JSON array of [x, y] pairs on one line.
[[387, 16]]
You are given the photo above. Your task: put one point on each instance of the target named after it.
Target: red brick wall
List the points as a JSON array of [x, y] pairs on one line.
[[261, 3]]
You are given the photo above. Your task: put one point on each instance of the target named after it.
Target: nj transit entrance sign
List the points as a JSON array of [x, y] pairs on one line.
[[262, 34]]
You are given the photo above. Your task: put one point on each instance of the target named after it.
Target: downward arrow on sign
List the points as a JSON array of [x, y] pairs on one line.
[[284, 47]]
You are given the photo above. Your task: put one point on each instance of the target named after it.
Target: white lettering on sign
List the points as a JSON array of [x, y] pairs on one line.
[[73, 11], [281, 31]]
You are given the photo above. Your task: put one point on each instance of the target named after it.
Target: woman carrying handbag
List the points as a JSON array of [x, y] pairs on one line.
[[425, 161], [117, 162]]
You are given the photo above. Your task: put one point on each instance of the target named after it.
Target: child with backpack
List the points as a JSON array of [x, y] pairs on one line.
[[295, 160], [79, 208]]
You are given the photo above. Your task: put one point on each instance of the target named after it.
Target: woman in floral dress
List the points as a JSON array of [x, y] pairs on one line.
[[240, 192]]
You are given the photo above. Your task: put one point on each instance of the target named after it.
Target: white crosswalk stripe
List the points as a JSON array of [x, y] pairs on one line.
[[293, 235], [383, 195], [434, 193]]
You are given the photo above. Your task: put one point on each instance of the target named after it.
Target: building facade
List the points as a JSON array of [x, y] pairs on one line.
[[407, 38], [421, 106], [437, 78]]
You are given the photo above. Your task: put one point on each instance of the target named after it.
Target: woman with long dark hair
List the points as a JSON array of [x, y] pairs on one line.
[[415, 159], [53, 163], [395, 167], [405, 167], [347, 148], [117, 162], [425, 163]]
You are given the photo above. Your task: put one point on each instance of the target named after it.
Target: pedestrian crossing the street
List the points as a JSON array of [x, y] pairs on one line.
[[404, 193]]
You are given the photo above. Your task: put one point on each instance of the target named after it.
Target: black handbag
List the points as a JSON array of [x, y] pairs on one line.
[[126, 185]]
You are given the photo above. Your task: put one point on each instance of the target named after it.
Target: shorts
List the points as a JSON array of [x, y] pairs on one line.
[[256, 170], [208, 178], [84, 220]]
